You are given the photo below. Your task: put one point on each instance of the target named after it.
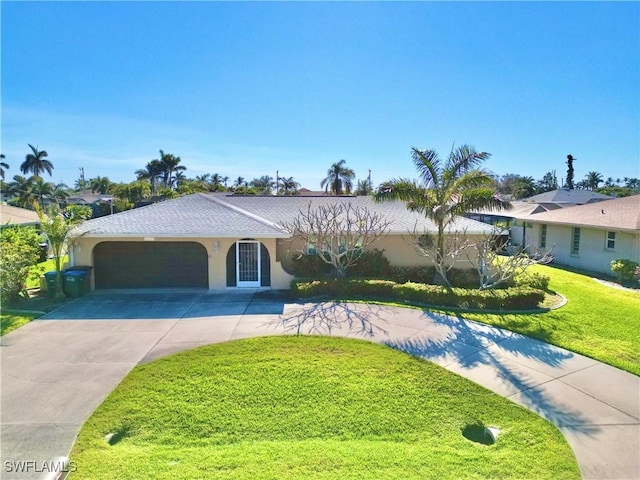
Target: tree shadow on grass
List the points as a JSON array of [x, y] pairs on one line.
[[454, 340], [334, 317]]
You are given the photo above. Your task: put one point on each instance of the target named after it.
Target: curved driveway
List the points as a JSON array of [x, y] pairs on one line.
[[58, 369]]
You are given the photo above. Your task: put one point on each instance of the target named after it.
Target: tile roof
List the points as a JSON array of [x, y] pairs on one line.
[[17, 215], [619, 213], [224, 215]]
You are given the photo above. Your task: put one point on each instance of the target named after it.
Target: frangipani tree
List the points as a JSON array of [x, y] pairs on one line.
[[338, 232]]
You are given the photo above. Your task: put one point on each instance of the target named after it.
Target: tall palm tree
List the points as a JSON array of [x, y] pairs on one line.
[[3, 165], [448, 190], [152, 171], [36, 162], [593, 179], [170, 164], [288, 186], [339, 179]]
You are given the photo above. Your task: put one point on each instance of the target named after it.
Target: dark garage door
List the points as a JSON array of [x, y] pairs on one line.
[[150, 265]]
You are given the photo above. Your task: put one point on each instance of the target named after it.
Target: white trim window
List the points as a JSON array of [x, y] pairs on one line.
[[543, 235], [575, 241], [610, 241]]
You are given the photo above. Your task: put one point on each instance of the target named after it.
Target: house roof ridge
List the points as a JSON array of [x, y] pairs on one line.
[[242, 211]]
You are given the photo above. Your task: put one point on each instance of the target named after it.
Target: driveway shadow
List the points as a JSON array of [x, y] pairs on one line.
[[468, 345], [334, 317]]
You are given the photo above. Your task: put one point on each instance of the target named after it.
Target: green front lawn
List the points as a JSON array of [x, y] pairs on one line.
[[10, 321], [37, 270], [598, 321], [310, 407]]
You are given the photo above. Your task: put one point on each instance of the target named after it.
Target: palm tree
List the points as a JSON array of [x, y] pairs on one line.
[[151, 172], [3, 166], [60, 192], [170, 164], [100, 185], [36, 162], [364, 187], [263, 185], [339, 178], [448, 190], [42, 189], [239, 182], [288, 186], [523, 187], [592, 180], [21, 189]]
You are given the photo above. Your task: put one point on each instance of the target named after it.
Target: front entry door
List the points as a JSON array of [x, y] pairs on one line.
[[248, 263]]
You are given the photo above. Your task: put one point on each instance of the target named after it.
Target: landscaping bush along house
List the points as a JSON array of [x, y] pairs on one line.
[[513, 298]]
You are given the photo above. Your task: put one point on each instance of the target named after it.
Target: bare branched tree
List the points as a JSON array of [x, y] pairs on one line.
[[454, 245], [338, 232], [495, 269]]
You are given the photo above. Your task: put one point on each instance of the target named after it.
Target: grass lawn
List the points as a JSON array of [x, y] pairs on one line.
[[598, 321], [48, 265], [10, 321], [312, 408]]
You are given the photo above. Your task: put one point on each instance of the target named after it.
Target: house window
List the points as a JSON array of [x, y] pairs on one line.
[[543, 236], [575, 241], [611, 240]]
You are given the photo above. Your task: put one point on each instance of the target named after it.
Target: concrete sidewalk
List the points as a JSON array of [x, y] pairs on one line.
[[57, 370]]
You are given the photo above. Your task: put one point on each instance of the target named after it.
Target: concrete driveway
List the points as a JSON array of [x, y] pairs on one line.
[[58, 369]]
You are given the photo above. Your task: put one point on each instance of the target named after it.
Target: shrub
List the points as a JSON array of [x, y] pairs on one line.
[[464, 278], [513, 298], [412, 274], [309, 266], [625, 269], [533, 280], [19, 250], [371, 264]]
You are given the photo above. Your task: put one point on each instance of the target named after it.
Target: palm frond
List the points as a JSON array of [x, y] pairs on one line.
[[465, 158], [427, 162]]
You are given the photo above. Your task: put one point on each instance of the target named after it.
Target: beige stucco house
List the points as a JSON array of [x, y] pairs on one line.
[[589, 237], [221, 241]]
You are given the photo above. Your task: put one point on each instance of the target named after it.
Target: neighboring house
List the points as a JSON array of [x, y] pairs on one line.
[[516, 217], [100, 204], [565, 197], [18, 216], [220, 241], [590, 236]]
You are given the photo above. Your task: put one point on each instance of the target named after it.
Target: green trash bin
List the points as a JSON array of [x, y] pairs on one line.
[[73, 283], [52, 282]]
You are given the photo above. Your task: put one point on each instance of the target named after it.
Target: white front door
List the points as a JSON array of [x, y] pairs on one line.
[[248, 263]]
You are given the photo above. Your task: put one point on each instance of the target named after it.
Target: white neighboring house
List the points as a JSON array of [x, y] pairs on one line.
[[590, 236]]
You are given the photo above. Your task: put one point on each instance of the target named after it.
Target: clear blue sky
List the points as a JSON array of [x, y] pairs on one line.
[[251, 88]]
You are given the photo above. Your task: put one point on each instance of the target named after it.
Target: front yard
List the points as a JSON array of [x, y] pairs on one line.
[[310, 407], [598, 321]]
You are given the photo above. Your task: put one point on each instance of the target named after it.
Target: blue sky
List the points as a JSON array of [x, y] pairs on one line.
[[250, 88]]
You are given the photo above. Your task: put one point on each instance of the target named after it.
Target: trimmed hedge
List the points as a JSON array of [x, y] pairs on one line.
[[514, 298]]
